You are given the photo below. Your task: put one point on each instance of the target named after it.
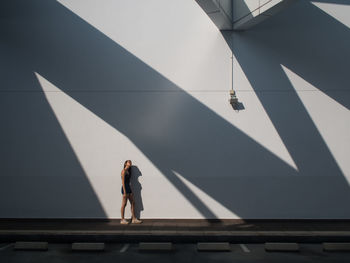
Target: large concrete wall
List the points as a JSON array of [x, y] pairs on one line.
[[88, 84]]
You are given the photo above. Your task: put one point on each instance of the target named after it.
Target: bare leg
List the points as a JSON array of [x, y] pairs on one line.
[[124, 202], [132, 202]]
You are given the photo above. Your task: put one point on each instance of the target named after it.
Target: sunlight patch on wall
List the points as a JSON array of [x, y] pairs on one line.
[[338, 11], [99, 147], [253, 120], [330, 117], [86, 132], [175, 38], [178, 40], [216, 208], [101, 151]]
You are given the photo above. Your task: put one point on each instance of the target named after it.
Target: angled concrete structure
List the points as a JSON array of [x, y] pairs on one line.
[[248, 13], [219, 11], [241, 14]]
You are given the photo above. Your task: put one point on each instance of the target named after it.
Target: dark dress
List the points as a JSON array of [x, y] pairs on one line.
[[127, 176]]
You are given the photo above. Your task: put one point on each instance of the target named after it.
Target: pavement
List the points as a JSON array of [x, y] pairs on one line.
[[181, 253], [175, 230]]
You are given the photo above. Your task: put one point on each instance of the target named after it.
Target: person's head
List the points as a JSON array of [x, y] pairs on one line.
[[127, 164]]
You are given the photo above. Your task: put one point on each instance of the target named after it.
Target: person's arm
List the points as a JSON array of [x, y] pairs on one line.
[[123, 181]]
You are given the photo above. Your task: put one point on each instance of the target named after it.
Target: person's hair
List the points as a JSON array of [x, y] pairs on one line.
[[126, 162]]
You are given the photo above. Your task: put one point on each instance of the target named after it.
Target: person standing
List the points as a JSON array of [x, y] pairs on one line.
[[127, 194]]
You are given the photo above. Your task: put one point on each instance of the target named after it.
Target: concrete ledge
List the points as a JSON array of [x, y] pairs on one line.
[[281, 246], [245, 18], [195, 236], [219, 11], [336, 246], [154, 246], [27, 245], [216, 246], [88, 246]]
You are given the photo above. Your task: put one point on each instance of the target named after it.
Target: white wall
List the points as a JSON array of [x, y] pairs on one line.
[[87, 85]]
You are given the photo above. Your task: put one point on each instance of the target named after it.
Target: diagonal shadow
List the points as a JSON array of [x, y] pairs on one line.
[[261, 54], [174, 130], [340, 2], [40, 174], [320, 57]]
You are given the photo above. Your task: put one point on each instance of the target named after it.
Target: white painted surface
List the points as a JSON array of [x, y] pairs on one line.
[[124, 248], [331, 118], [339, 11], [244, 248], [87, 85]]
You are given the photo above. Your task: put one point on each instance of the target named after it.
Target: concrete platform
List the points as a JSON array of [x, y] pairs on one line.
[[155, 246], [281, 246], [166, 230], [336, 247], [27, 245], [84, 246], [215, 246]]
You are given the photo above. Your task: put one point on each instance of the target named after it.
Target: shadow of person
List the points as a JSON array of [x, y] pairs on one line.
[[136, 189]]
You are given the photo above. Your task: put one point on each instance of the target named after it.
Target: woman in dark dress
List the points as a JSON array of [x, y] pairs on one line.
[[127, 194]]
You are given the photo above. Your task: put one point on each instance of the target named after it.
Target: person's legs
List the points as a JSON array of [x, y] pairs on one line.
[[124, 202], [132, 203]]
